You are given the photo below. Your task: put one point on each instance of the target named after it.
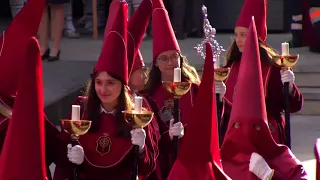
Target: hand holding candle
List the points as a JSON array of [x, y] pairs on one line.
[[285, 49], [138, 104], [75, 114], [177, 75]]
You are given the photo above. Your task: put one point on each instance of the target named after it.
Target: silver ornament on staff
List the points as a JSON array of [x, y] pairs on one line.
[[220, 73]]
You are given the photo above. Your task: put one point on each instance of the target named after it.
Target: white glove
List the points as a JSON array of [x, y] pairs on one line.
[[138, 137], [259, 167], [176, 129], [75, 154], [287, 76], [220, 88]]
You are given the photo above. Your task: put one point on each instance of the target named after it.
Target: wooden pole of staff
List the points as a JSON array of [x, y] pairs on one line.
[[95, 19]]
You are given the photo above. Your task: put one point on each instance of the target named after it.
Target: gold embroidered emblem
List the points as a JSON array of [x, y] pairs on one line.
[[103, 144]]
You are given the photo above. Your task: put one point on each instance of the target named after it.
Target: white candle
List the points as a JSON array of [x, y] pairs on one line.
[[138, 104], [285, 49], [75, 114], [217, 62], [177, 75]]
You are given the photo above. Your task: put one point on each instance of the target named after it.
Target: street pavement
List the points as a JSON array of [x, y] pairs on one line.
[[78, 57]]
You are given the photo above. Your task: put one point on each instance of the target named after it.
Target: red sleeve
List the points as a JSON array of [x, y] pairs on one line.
[[295, 99], [286, 166], [63, 165], [297, 173], [52, 142], [275, 95], [147, 162]]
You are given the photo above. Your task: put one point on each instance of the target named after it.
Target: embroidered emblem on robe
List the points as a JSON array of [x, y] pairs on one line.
[[103, 144]]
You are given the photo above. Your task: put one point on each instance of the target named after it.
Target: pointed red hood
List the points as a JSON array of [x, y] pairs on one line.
[[113, 9], [23, 153], [137, 27], [249, 89], [198, 162], [258, 9], [113, 57], [138, 62], [248, 130], [13, 44], [164, 38]]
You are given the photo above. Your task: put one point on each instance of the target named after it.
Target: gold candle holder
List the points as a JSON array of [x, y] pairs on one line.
[[221, 74], [177, 89], [75, 128], [138, 119], [285, 61]]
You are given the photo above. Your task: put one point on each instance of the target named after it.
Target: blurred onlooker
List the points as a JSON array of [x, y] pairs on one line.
[[86, 20], [15, 6], [69, 29], [132, 7], [186, 18], [57, 22]]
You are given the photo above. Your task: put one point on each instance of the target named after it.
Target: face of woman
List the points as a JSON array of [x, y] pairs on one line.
[[167, 61], [138, 79], [108, 89], [240, 34]]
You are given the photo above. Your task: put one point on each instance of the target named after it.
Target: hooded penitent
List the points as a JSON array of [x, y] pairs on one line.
[[23, 153], [199, 156], [248, 130], [164, 38], [113, 56], [258, 9], [13, 44], [137, 26]]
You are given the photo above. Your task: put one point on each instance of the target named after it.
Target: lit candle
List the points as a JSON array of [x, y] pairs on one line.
[[75, 114], [177, 75], [217, 62], [138, 104], [285, 49]]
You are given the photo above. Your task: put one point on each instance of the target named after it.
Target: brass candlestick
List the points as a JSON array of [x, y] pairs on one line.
[[137, 120], [286, 62], [75, 128], [177, 89]]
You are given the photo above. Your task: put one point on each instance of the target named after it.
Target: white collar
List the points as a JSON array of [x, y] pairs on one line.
[[105, 111]]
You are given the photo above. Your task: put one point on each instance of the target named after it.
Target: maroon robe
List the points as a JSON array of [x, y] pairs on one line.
[[236, 162], [107, 156], [273, 95], [52, 134], [164, 101]]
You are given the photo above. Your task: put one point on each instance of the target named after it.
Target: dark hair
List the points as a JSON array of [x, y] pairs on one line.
[[266, 53], [188, 73], [92, 107]]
